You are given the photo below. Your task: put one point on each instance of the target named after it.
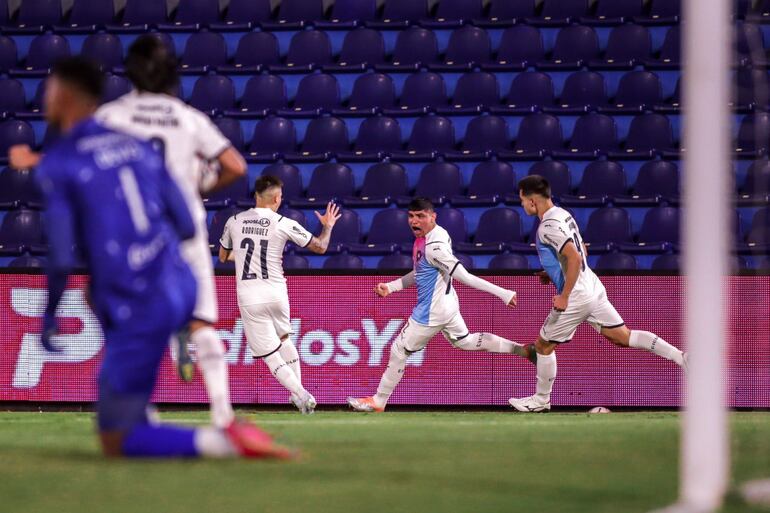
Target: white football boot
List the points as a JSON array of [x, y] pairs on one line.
[[531, 404], [305, 403]]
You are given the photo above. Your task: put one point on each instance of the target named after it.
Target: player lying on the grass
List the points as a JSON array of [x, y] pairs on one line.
[[437, 309], [256, 239], [581, 295], [110, 195], [187, 138]]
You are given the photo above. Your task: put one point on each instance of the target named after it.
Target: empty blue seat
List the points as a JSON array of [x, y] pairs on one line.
[[750, 87], [404, 10], [757, 181], [603, 178], [389, 227], [21, 229], [486, 134], [753, 133], [347, 229], [300, 11], [509, 10], [760, 227], [191, 12], [616, 262], [235, 193], [325, 135], [538, 133], [499, 226], [104, 49], [363, 47], [594, 133], [453, 221], [8, 53], [290, 176], [661, 224], [457, 10], [45, 50], [583, 90], [396, 261], [657, 178], [529, 89], [255, 50], [415, 47], [562, 10], [15, 132], [616, 11], [11, 95], [354, 10], [273, 135], [308, 49], [439, 181], [39, 13], [627, 46], [27, 261], [557, 174], [468, 46], [4, 13], [18, 188], [328, 181], [92, 12], [637, 90], [520, 46], [139, 12], [667, 262], [246, 12], [431, 134], [317, 92], [293, 214], [383, 180], [491, 179], [204, 50], [649, 132], [476, 91], [663, 11], [343, 261], [213, 92], [291, 261], [217, 225], [509, 261], [373, 91], [608, 225], [232, 130], [575, 44], [376, 135], [669, 56], [115, 86], [423, 90], [264, 93]]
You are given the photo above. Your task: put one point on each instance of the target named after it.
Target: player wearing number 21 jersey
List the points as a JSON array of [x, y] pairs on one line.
[[581, 296], [255, 239]]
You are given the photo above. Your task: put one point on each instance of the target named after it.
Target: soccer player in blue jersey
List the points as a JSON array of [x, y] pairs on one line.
[[581, 296], [110, 195]]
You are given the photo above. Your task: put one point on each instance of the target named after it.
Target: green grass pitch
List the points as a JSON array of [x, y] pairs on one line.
[[415, 462]]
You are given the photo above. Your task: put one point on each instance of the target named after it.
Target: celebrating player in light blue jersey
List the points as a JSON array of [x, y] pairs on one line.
[[110, 195], [581, 296], [437, 308]]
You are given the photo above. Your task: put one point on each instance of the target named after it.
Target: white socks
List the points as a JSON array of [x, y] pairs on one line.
[[211, 361], [283, 373], [654, 344], [290, 355], [213, 443], [546, 374], [392, 375], [487, 342]]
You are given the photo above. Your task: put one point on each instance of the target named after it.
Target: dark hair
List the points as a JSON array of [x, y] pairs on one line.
[[82, 74], [265, 182], [151, 65], [535, 184], [420, 204]]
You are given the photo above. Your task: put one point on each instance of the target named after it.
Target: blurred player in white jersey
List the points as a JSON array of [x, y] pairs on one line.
[[437, 309], [256, 239], [190, 142], [581, 295]]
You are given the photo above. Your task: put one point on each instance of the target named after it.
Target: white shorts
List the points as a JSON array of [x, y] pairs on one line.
[[265, 325], [196, 253], [415, 336], [560, 327]]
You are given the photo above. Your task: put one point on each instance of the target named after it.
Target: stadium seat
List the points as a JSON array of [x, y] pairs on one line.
[[316, 93], [497, 226], [757, 183], [213, 93], [144, 12], [204, 51], [291, 262], [583, 90], [402, 12], [236, 193], [415, 47], [389, 229], [263, 94], [759, 233], [15, 132], [753, 134], [295, 215], [453, 221], [659, 228], [616, 262], [603, 178], [560, 12], [308, 49], [21, 230], [347, 229], [454, 12], [612, 12], [39, 13], [232, 130], [505, 12], [291, 178], [509, 261], [628, 45], [594, 134], [4, 13], [422, 91], [91, 12], [19, 189], [663, 12], [608, 225], [484, 135], [396, 261], [324, 136], [103, 49], [521, 46], [298, 11], [469, 46], [647, 134], [27, 262], [372, 91], [244, 14], [557, 174], [273, 135], [438, 181], [351, 12], [217, 226], [383, 182], [255, 51], [657, 178], [8, 53], [115, 86], [575, 46], [750, 88], [11, 95], [474, 92], [749, 44], [362, 48], [637, 91], [667, 262], [529, 91], [430, 135], [491, 181], [328, 181], [343, 261], [377, 136], [670, 52], [191, 13], [538, 133], [44, 51]]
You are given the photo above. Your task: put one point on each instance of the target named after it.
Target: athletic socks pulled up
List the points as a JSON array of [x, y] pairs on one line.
[[211, 361], [654, 344], [546, 374]]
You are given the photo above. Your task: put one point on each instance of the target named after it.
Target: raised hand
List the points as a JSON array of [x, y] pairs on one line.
[[21, 156], [331, 215]]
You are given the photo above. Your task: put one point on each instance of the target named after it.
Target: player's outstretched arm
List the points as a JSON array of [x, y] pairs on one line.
[[574, 262], [21, 156], [463, 276], [224, 255], [233, 167], [406, 281], [321, 243]]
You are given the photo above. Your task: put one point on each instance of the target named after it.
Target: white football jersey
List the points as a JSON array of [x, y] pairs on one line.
[[434, 264], [556, 229], [187, 136], [257, 238]]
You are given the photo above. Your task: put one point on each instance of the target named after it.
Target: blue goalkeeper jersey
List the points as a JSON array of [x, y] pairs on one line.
[[110, 196]]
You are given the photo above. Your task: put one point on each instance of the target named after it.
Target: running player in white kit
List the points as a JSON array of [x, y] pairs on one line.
[[189, 140], [256, 239], [581, 295], [437, 308]]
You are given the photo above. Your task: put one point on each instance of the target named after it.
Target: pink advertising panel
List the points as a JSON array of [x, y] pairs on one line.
[[343, 332]]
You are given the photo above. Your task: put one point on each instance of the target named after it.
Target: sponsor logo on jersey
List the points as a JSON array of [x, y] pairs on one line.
[[262, 221]]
